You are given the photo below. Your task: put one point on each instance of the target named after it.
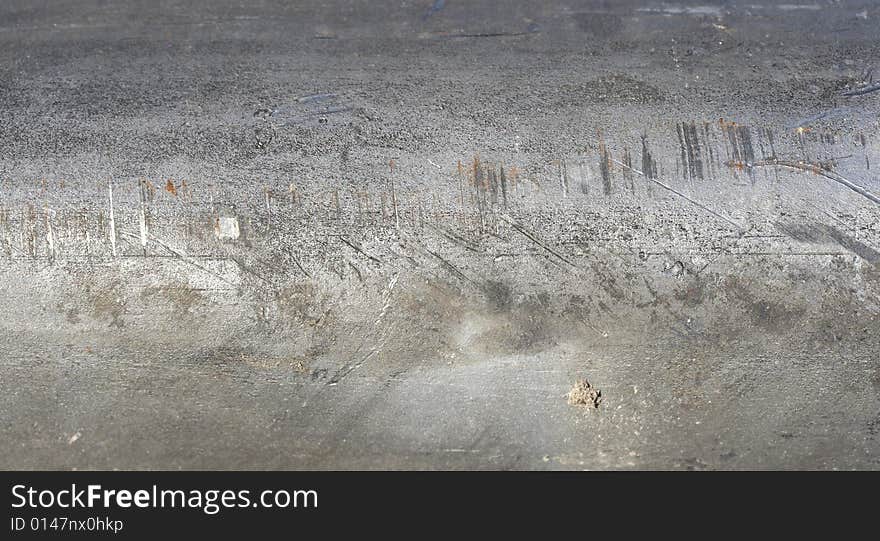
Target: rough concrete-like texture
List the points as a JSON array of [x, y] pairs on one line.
[[338, 234]]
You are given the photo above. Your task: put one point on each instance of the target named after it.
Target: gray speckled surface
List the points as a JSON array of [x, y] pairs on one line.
[[385, 235]]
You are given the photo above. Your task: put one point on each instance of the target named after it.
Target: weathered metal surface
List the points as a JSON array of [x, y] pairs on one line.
[[394, 235]]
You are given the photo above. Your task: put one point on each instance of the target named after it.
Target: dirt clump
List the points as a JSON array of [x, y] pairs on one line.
[[584, 394]]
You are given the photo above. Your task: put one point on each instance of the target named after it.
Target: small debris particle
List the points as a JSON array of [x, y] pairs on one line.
[[584, 394], [71, 440], [300, 366], [226, 228]]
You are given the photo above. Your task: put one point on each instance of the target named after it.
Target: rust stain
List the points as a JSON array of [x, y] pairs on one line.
[[151, 188], [513, 176]]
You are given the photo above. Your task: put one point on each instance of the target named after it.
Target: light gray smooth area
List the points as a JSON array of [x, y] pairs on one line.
[[339, 234]]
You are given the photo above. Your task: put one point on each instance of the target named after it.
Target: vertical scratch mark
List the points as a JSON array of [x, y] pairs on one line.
[[748, 154], [627, 174], [605, 166], [769, 133], [503, 187], [50, 237], [691, 157], [763, 151], [480, 192], [583, 175], [514, 174], [394, 197], [112, 220], [649, 167], [710, 159], [563, 177], [493, 184], [800, 134], [681, 146], [143, 219], [694, 142]]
